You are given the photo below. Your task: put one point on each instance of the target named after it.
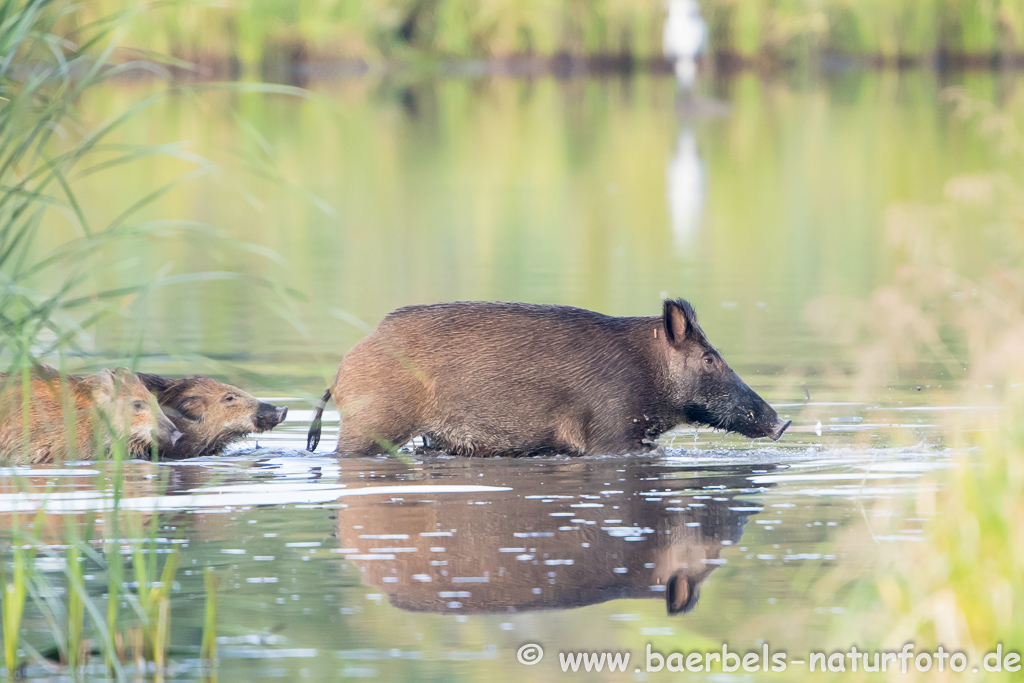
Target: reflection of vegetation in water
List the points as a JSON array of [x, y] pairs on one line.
[[562, 148], [270, 31], [77, 625]]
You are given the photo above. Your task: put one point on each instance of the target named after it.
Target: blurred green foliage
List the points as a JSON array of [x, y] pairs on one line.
[[248, 32], [960, 584]]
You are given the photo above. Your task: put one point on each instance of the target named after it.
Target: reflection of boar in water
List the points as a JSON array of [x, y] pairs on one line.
[[110, 404], [514, 554], [210, 414], [484, 378]]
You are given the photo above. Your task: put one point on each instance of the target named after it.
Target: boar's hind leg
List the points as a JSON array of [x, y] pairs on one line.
[[570, 437], [370, 444], [375, 430]]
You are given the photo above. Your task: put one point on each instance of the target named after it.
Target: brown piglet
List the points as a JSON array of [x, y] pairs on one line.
[[210, 414], [78, 416]]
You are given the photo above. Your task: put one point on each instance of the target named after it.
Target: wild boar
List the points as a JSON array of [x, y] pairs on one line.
[[487, 378], [79, 417], [210, 414]]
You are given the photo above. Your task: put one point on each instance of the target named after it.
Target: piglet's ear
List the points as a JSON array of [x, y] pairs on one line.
[[155, 383], [190, 407], [102, 385], [680, 321]]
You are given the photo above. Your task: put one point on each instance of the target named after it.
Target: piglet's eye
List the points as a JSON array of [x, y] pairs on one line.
[[138, 405], [229, 398]]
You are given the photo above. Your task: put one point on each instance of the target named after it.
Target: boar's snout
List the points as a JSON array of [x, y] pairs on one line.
[[269, 416], [167, 434], [751, 416], [780, 426], [761, 421]]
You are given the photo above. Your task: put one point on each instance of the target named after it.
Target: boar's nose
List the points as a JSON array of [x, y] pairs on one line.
[[269, 416], [780, 426]]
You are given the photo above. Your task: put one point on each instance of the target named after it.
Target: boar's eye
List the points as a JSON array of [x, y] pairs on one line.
[[229, 398], [709, 360]]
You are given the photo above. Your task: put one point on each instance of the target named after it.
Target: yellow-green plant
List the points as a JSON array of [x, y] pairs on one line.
[[14, 593], [152, 594], [76, 606], [208, 648], [15, 589]]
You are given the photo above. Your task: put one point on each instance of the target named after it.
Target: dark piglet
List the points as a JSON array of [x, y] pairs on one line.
[[210, 414], [486, 378]]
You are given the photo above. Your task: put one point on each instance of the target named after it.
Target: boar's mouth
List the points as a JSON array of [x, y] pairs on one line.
[[268, 416], [754, 425], [780, 426], [759, 427]]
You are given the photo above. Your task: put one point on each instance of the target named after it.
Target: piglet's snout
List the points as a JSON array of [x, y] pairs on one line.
[[269, 416]]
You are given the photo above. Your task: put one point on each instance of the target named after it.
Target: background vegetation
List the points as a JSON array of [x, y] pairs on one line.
[[246, 33], [960, 584], [53, 295]]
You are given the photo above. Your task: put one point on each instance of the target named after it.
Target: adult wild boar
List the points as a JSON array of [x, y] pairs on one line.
[[210, 414], [486, 378], [79, 417]]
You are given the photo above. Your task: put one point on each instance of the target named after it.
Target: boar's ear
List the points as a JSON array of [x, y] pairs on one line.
[[681, 593], [680, 321], [123, 377]]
